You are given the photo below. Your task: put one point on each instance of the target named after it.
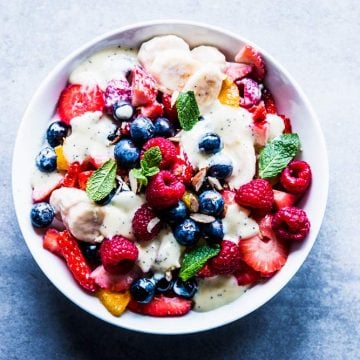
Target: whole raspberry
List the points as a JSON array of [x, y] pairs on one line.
[[167, 148], [118, 254], [116, 91], [228, 260], [206, 271], [257, 194], [145, 223], [296, 177], [164, 190], [291, 223]]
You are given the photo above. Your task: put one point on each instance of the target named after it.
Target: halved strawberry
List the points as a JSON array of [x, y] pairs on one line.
[[283, 199], [264, 255], [71, 177], [83, 177], [246, 275], [143, 87], [161, 306], [228, 196], [248, 55], [51, 241], [76, 100], [169, 111], [269, 102], [45, 185], [236, 71], [287, 123], [259, 113], [152, 111]]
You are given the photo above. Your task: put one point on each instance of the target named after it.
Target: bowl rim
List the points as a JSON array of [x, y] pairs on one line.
[[321, 140]]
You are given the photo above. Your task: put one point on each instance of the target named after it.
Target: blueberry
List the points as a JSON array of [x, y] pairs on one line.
[[42, 214], [176, 214], [141, 129], [46, 159], [163, 127], [142, 290], [123, 111], [185, 289], [56, 133], [107, 198], [220, 166], [126, 153], [210, 143], [162, 284], [211, 203], [91, 253], [213, 232], [187, 232]]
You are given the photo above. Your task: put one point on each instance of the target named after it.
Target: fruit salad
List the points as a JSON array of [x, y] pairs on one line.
[[168, 181]]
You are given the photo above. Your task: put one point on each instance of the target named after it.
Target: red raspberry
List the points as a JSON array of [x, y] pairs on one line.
[[116, 91], [118, 254], [164, 190], [257, 194], [145, 223], [269, 102], [291, 223], [167, 148], [228, 260], [206, 271], [296, 177]]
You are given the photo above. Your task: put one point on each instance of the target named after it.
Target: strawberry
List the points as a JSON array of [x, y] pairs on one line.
[[245, 275], [183, 170], [248, 55], [75, 260], [76, 100], [269, 102], [283, 199], [71, 177], [169, 111], [259, 113], [51, 241], [44, 186], [236, 71], [152, 111], [143, 87], [83, 178], [263, 255], [161, 306], [287, 123], [228, 196]]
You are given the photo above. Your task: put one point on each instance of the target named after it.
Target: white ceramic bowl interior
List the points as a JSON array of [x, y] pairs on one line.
[[290, 101]]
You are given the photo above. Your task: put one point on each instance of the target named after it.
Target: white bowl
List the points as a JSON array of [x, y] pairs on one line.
[[290, 100]]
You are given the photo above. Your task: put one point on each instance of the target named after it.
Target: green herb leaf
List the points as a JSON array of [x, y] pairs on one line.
[[102, 181], [275, 156], [196, 259], [152, 157], [188, 110], [152, 171], [139, 176]]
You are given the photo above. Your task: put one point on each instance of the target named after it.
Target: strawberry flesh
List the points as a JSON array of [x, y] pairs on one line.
[[248, 55], [143, 88]]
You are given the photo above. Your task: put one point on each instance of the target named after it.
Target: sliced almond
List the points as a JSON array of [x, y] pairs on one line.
[[152, 223], [175, 139], [198, 180], [215, 183], [202, 218], [133, 182], [191, 201]]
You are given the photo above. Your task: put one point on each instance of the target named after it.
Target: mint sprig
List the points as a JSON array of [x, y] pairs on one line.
[[275, 156], [102, 181], [187, 110], [149, 165], [195, 259]]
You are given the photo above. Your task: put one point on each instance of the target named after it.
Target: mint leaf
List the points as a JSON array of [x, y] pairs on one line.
[[152, 171], [152, 157], [187, 110], [102, 181], [275, 156], [196, 259]]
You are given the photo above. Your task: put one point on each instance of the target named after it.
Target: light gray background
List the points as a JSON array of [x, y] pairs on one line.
[[317, 315]]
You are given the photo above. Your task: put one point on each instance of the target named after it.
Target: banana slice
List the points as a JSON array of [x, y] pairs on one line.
[[209, 54], [206, 84], [172, 69], [154, 48]]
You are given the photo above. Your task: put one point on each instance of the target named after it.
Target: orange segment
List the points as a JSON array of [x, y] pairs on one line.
[[61, 162], [115, 302], [229, 93]]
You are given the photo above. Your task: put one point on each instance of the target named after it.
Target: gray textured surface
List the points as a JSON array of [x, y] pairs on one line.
[[317, 315]]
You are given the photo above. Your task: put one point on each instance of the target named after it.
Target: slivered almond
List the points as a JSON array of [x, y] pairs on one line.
[[202, 218], [152, 223], [198, 179], [215, 183], [133, 182]]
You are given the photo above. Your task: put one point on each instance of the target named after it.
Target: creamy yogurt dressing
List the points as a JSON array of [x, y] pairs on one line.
[[233, 125], [276, 126], [41, 182], [216, 291], [89, 138], [105, 65]]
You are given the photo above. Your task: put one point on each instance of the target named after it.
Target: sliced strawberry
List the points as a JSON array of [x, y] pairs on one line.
[[287, 123], [183, 170], [248, 55], [71, 177], [269, 102], [162, 306], [283, 199], [259, 113], [98, 161], [265, 227], [263, 255], [51, 241], [113, 282], [43, 188], [169, 111], [76, 100], [246, 275], [152, 111], [228, 196], [83, 178], [76, 262], [236, 71], [143, 87]]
